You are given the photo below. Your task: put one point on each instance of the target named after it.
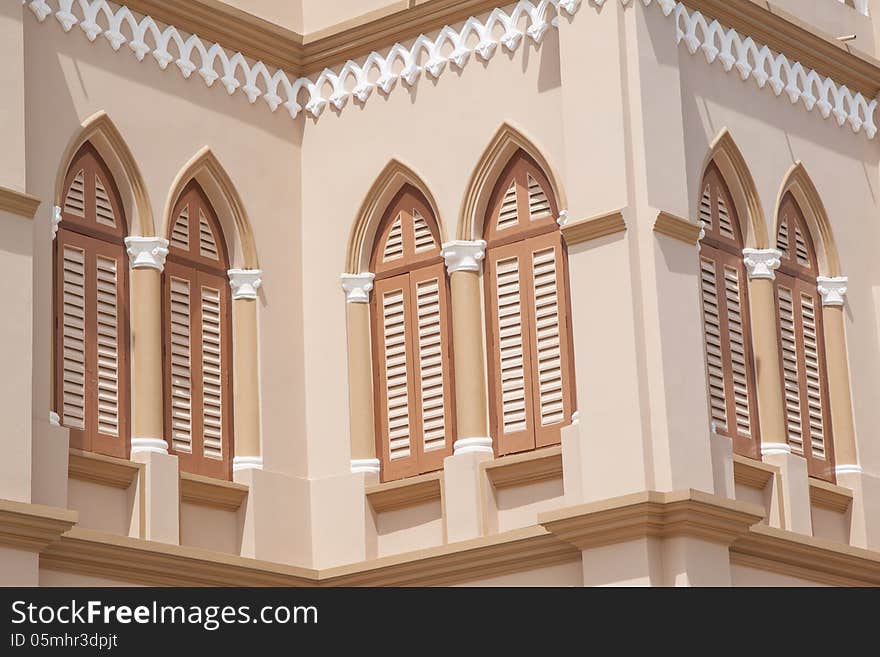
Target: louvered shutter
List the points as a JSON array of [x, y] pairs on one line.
[[179, 350], [73, 337], [180, 230], [75, 199]]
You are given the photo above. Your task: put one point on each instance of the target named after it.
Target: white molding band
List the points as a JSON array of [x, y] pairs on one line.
[[473, 446], [240, 463], [147, 252], [245, 283], [55, 220], [357, 287], [848, 469], [775, 448], [370, 466], [463, 255], [352, 79], [832, 289], [762, 263], [148, 445]]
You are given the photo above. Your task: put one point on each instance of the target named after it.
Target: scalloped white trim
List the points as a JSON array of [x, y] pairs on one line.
[[190, 54]]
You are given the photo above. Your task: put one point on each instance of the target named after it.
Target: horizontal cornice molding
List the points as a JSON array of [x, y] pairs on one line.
[[100, 469], [18, 203], [677, 228], [405, 492], [577, 232], [524, 469], [214, 493], [32, 526]]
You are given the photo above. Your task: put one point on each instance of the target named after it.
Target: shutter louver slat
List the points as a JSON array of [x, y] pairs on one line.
[[394, 243], [813, 379], [212, 373], [181, 366], [782, 238], [539, 204], [73, 400], [739, 363], [396, 373], [706, 207], [108, 346], [431, 374], [180, 232], [103, 207], [801, 250], [424, 239], [725, 226], [511, 346], [788, 342], [714, 354], [75, 200], [547, 335], [509, 215], [207, 244]]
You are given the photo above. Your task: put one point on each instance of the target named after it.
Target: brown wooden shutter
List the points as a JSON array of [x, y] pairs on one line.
[[91, 310], [198, 374], [526, 286], [730, 368], [802, 344], [412, 349]]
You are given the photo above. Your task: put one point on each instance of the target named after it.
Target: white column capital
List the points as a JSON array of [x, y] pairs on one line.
[[562, 219], [847, 469], [832, 289], [154, 445], [761, 263], [365, 465], [462, 255], [357, 286], [245, 282], [55, 220], [473, 446], [147, 252], [240, 463]]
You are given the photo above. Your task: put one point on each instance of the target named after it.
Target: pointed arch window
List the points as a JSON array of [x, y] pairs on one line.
[[197, 346], [802, 343], [91, 309], [730, 368], [531, 380], [412, 345]]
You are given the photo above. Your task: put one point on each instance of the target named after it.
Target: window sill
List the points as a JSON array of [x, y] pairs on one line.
[[403, 493], [830, 496], [100, 469], [526, 468], [752, 473], [214, 493]]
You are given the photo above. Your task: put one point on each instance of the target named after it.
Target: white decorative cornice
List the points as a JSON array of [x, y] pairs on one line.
[[847, 469], [147, 252], [240, 463], [357, 286], [351, 80], [756, 61], [768, 449], [473, 446], [761, 263], [55, 220], [833, 290], [461, 255], [245, 282], [370, 466], [148, 445]]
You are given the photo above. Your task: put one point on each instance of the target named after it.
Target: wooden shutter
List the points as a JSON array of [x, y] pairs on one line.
[[92, 343], [197, 367], [730, 366], [522, 204]]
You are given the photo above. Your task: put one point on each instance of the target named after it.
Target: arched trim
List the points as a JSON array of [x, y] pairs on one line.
[[727, 157], [801, 186], [205, 169], [393, 178], [101, 132], [506, 142]]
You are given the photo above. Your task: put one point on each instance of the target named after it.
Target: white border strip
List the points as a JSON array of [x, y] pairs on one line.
[[190, 54]]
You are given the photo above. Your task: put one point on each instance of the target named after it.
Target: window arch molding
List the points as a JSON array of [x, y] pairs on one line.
[[495, 157]]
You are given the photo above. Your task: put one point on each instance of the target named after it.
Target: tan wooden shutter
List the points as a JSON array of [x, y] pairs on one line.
[[179, 354], [103, 207], [713, 344], [180, 230], [394, 243], [213, 364], [207, 243], [75, 199], [73, 340]]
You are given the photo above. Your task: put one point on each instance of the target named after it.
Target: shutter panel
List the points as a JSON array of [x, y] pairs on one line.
[[108, 335], [712, 337], [788, 345], [508, 217], [782, 238], [424, 239], [103, 207], [212, 373], [812, 372], [802, 252], [706, 207], [75, 199], [207, 244], [739, 362], [539, 204], [73, 346], [725, 226], [180, 355], [180, 231], [394, 244]]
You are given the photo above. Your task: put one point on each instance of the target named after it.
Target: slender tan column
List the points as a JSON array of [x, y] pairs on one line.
[[463, 260], [357, 289], [840, 396], [760, 264], [147, 256], [244, 284]]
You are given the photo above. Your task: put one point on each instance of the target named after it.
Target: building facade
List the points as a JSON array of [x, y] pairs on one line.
[[564, 292]]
